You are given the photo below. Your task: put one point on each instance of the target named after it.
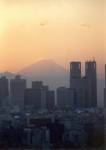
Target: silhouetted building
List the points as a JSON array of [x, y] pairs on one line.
[[105, 89], [39, 96], [37, 85], [35, 98], [77, 83], [50, 100], [75, 70], [85, 88], [4, 89], [91, 77], [17, 89], [65, 97], [56, 134], [105, 97]]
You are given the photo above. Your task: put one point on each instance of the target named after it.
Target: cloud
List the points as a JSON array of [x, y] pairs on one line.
[[85, 25], [43, 23]]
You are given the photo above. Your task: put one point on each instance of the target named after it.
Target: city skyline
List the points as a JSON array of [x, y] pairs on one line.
[[32, 30], [29, 69], [81, 92], [52, 74]]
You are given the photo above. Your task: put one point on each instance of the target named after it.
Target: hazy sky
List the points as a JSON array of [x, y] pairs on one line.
[[62, 30]]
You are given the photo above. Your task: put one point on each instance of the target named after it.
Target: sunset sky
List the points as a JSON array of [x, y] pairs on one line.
[[62, 30]]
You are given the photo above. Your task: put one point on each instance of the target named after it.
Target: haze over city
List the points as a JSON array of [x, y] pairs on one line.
[[52, 74], [62, 30]]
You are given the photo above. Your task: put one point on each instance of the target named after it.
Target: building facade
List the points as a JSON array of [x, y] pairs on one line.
[[39, 96], [17, 89], [65, 97], [4, 89], [105, 89], [85, 87]]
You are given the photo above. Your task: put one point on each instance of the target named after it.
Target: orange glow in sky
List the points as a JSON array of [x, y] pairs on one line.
[[62, 30]]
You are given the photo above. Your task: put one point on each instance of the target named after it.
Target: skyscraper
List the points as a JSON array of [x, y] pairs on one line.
[[105, 108], [35, 98], [4, 89], [75, 70], [50, 100], [85, 88], [17, 89], [105, 89], [76, 83], [37, 84], [65, 97], [91, 79], [39, 96]]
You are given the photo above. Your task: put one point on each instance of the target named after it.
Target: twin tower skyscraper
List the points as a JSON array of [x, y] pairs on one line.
[[85, 88]]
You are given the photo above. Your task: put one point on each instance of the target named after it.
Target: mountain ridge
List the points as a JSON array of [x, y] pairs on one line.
[[46, 65], [48, 71]]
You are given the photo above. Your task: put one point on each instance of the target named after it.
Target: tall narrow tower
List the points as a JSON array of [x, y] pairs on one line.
[[17, 89], [105, 75], [105, 108], [91, 79], [75, 70], [4, 89], [105, 89], [76, 82]]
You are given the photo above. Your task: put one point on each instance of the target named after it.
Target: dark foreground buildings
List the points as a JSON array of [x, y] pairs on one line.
[[4, 90], [39, 97], [65, 97], [17, 89], [56, 128]]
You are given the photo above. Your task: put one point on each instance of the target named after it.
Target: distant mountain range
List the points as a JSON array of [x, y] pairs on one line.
[[52, 74]]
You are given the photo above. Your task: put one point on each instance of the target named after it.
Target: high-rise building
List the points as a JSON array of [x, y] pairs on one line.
[[65, 97], [105, 108], [4, 89], [75, 70], [85, 88], [39, 96], [17, 89], [105, 89], [91, 79], [37, 84], [50, 100], [35, 98], [77, 84]]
